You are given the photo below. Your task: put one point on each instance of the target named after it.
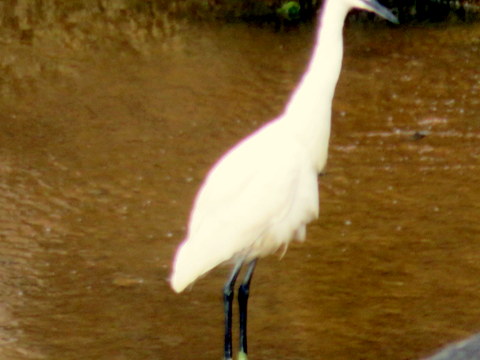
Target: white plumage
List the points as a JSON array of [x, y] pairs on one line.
[[263, 192], [256, 198]]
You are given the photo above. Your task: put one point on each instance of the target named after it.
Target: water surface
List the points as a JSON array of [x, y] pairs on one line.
[[99, 166]]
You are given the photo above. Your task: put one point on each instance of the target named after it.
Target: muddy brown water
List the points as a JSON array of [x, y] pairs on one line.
[[97, 176]]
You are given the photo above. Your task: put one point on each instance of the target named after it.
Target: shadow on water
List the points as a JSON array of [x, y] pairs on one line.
[[99, 165]]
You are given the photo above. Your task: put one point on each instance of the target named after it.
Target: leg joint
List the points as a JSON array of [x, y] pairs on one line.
[[228, 291]]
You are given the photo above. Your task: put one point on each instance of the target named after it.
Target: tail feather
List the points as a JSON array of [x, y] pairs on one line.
[[190, 264]]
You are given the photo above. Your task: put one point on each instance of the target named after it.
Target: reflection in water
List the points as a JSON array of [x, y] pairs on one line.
[[97, 174]]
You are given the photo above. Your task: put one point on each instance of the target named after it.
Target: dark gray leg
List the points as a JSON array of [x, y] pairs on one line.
[[227, 306], [243, 292]]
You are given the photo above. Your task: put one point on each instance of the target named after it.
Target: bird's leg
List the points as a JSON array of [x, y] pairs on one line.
[[243, 292], [227, 304]]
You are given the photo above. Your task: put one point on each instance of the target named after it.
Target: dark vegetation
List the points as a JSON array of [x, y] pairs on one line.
[[26, 15]]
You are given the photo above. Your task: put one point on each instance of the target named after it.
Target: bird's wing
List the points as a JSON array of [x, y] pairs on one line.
[[255, 198], [259, 193]]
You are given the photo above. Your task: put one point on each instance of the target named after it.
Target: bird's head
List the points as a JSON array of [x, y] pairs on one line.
[[375, 7]]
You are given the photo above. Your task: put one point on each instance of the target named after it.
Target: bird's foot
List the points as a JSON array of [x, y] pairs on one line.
[[242, 356]]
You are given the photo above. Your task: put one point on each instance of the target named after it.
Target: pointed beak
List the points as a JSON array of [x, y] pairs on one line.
[[380, 10]]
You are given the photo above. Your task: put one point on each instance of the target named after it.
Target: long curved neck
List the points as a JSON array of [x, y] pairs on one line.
[[308, 113]]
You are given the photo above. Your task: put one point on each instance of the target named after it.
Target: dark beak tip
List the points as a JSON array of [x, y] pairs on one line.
[[394, 20]]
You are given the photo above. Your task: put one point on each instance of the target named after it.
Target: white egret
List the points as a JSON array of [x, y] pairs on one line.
[[263, 192]]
